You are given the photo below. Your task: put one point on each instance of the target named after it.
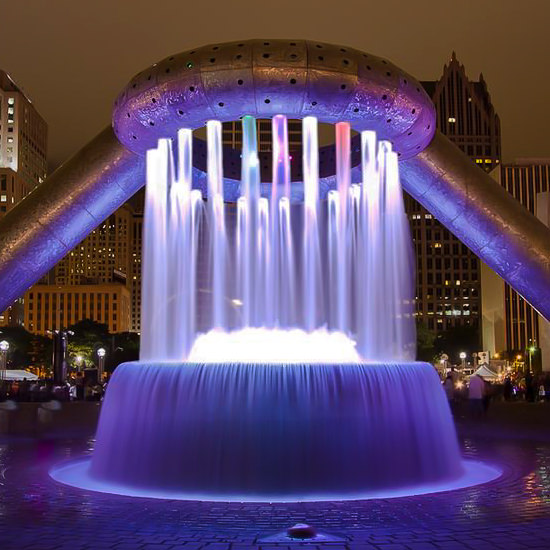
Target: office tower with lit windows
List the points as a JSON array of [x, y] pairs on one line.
[[53, 307], [23, 144], [510, 324], [232, 135], [106, 263], [448, 290]]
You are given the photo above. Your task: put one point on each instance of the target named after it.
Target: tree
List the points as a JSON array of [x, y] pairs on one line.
[[88, 336], [20, 341], [425, 339], [124, 347]]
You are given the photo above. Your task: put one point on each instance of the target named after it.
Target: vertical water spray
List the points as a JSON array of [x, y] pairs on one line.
[[311, 249], [247, 220], [217, 222], [280, 188], [358, 239], [180, 306], [154, 295], [343, 182], [287, 312]]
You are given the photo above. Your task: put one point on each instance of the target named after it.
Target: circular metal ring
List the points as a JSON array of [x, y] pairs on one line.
[[263, 78]]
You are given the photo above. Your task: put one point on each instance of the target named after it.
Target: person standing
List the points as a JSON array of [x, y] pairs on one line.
[[529, 388], [476, 391], [508, 389]]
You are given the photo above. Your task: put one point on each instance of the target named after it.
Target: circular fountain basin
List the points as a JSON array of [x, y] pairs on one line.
[[274, 432]]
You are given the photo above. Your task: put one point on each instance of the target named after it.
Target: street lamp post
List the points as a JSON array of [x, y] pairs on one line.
[[463, 359], [4, 347], [531, 350], [101, 355], [78, 361]]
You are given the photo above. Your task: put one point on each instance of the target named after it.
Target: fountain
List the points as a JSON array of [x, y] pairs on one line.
[[305, 386]]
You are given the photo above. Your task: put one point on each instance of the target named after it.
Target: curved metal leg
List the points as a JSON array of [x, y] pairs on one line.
[[484, 216], [58, 214]]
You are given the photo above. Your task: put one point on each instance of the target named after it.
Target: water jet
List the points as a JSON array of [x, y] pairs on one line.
[[303, 385]]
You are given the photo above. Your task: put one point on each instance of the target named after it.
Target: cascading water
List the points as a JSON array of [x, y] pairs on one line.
[[304, 386], [343, 263]]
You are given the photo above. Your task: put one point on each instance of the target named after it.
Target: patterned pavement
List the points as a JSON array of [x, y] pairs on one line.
[[508, 513]]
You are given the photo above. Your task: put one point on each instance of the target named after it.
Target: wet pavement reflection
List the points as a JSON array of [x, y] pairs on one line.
[[511, 512]]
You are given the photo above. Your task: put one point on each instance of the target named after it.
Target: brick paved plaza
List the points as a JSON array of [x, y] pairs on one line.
[[511, 512]]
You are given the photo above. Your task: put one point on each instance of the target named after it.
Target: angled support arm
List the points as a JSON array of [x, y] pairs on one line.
[[60, 212], [484, 216]]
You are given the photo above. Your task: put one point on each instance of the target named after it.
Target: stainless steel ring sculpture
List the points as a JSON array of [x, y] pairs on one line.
[[262, 78], [268, 77]]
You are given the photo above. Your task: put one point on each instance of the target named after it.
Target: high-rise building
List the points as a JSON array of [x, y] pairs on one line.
[[53, 307], [448, 274], [23, 144], [232, 134], [106, 262], [509, 323]]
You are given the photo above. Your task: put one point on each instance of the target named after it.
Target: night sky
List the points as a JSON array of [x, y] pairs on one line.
[[72, 57]]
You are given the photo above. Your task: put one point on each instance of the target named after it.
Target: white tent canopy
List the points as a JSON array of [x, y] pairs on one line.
[[486, 372], [15, 374]]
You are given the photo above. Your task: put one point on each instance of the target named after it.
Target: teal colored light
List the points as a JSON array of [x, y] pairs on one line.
[[250, 162]]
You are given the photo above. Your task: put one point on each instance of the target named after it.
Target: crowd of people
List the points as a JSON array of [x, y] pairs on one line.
[[77, 388], [479, 392]]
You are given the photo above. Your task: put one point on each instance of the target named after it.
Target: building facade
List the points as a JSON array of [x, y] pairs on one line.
[[514, 326], [232, 134], [23, 148], [110, 255], [52, 307], [448, 284]]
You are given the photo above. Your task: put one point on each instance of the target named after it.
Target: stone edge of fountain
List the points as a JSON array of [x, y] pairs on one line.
[[75, 473]]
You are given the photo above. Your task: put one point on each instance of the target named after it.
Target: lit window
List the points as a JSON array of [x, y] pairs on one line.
[[11, 101]]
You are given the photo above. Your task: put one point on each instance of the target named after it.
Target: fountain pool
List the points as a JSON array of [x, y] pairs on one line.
[[304, 385]]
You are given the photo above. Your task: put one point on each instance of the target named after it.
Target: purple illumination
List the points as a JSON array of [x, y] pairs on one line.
[[275, 432], [369, 92], [272, 404]]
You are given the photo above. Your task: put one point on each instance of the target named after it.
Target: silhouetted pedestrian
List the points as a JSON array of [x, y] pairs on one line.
[[508, 389], [476, 391]]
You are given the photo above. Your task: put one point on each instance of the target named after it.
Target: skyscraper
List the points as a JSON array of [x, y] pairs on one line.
[[106, 263], [23, 144], [510, 324], [448, 273]]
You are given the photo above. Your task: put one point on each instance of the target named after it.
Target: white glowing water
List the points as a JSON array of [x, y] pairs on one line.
[[301, 387], [281, 346], [343, 264]]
